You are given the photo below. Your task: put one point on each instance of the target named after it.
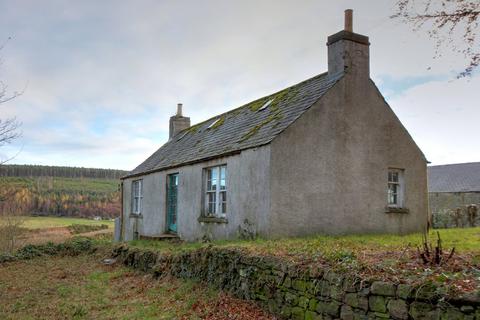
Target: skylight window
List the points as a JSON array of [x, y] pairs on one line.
[[265, 106], [213, 123]]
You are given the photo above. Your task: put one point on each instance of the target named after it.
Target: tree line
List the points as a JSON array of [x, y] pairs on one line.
[[17, 170]]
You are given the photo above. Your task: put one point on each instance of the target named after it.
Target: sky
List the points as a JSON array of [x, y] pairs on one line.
[[100, 79]]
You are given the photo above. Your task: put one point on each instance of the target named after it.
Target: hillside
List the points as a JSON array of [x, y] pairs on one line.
[[25, 170], [62, 191]]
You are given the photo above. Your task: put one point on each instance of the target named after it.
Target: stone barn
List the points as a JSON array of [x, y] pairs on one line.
[[324, 156], [454, 194]]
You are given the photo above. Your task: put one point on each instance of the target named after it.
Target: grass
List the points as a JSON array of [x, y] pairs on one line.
[[383, 257], [463, 239], [52, 222], [82, 288]]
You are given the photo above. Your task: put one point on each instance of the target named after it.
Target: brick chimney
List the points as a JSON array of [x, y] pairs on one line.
[[348, 51], [178, 122]]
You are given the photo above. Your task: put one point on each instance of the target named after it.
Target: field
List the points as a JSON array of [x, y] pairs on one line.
[[39, 230], [83, 288], [54, 222]]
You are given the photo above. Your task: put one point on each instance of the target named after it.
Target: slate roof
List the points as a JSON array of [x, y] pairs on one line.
[[461, 177], [242, 128]]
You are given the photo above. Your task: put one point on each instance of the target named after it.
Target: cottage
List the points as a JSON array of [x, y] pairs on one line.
[[327, 155], [454, 194]]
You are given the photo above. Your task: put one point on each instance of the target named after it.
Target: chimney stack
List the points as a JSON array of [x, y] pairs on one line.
[[348, 51], [349, 20], [178, 122], [179, 109]]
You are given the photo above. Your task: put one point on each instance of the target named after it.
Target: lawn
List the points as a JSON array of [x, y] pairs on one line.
[[82, 287], [52, 222]]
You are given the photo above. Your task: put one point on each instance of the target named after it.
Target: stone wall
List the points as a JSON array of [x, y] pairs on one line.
[[450, 209], [293, 291]]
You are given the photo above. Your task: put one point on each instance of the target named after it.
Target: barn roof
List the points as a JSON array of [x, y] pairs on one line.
[[252, 125], [461, 177]]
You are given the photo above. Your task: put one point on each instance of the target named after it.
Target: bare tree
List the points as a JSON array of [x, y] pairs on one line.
[[11, 219], [451, 23]]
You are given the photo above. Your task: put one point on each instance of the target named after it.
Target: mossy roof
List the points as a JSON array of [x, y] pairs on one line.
[[248, 126]]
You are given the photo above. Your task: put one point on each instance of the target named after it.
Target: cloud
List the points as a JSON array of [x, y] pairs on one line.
[[442, 116], [104, 77]]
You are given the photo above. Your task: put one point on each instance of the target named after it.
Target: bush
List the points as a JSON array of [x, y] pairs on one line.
[[72, 247], [83, 228]]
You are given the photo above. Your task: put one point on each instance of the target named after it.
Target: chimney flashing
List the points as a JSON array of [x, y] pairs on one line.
[[346, 35]]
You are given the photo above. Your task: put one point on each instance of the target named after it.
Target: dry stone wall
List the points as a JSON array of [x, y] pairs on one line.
[[298, 292]]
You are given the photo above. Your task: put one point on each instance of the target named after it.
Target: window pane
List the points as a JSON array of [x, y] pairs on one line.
[[209, 179], [393, 176], [214, 172], [223, 201], [392, 193], [223, 173], [211, 202]]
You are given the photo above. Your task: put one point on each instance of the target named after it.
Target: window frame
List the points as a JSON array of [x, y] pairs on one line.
[[137, 199], [219, 192], [399, 182]]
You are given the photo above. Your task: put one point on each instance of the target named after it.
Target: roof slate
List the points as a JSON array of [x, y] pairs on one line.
[[461, 177], [239, 129]]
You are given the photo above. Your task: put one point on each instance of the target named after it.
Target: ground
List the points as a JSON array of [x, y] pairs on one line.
[[82, 287], [56, 229]]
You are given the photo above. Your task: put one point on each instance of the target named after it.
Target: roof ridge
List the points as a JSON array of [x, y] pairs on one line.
[[453, 164]]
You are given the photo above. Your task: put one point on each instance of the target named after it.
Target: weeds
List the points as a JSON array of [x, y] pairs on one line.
[[433, 255]]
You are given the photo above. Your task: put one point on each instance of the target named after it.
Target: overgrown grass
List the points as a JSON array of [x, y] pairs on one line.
[[463, 239], [51, 222], [82, 288]]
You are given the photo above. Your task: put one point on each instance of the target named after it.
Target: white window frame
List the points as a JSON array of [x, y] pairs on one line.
[[395, 188], [137, 196], [215, 208]]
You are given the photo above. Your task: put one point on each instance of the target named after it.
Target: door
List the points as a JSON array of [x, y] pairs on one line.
[[172, 201]]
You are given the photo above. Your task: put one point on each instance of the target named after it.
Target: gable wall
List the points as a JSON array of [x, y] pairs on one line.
[[329, 168], [248, 195]]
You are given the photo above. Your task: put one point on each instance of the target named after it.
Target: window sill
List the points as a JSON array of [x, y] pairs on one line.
[[136, 215], [396, 210], [212, 219]]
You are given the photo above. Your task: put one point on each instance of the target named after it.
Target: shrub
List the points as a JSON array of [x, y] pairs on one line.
[[83, 228], [72, 247]]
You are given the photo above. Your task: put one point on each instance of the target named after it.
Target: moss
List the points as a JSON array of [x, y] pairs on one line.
[[257, 104], [276, 116], [194, 128], [218, 122], [284, 95]]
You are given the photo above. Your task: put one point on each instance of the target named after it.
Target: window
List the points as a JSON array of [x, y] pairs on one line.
[[137, 196], [395, 188], [216, 191]]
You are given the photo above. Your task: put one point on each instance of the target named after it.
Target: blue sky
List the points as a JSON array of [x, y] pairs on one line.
[[103, 78]]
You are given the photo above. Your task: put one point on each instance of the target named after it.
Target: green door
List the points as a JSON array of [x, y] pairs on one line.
[[172, 191]]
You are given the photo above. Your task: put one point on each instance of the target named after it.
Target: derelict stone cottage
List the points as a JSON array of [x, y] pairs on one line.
[[326, 155]]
